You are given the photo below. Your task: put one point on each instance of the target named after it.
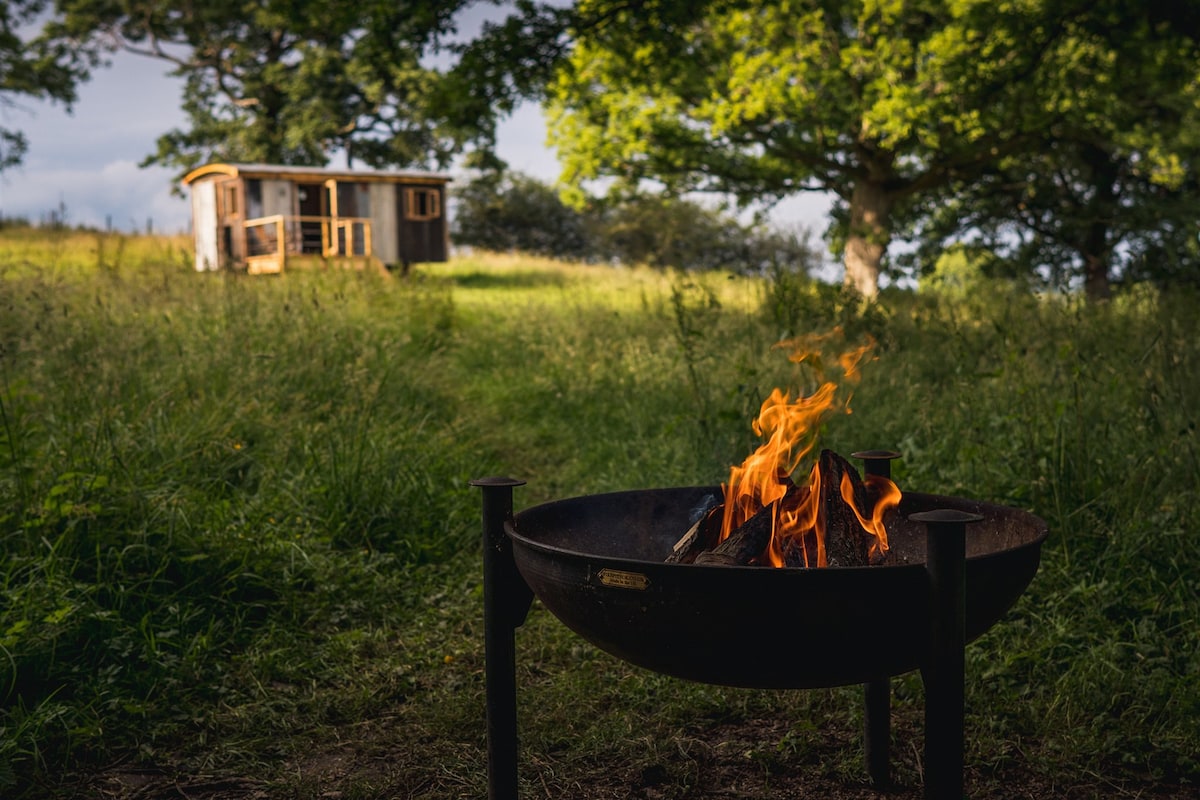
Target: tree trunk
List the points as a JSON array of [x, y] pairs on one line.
[[870, 231], [1095, 277], [1095, 249]]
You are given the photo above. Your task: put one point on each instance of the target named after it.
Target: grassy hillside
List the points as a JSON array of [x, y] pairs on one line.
[[238, 537]]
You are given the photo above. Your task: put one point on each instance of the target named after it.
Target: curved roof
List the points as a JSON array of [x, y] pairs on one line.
[[312, 174]]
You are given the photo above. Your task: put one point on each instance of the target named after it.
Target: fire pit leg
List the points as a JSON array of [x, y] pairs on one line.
[[877, 732], [506, 600], [877, 694], [946, 561]]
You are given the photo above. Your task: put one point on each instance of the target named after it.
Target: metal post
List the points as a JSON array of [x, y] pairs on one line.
[[946, 565], [877, 731], [877, 693], [877, 462], [506, 599]]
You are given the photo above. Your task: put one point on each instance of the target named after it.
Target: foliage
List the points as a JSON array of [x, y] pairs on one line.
[[512, 59], [1111, 192], [506, 212], [288, 83], [238, 537], [876, 103], [665, 231], [513, 212], [899, 109], [36, 68]]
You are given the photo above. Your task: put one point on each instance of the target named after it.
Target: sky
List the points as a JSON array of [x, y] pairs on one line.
[[86, 161]]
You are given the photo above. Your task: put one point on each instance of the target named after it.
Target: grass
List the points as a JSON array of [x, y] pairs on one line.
[[239, 539]]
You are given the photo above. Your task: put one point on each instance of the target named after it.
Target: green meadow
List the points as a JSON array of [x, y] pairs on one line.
[[238, 542]]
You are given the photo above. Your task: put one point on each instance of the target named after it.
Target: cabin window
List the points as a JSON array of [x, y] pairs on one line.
[[422, 204]]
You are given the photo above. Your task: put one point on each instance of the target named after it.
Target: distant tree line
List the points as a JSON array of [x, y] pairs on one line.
[[514, 212], [1056, 140]]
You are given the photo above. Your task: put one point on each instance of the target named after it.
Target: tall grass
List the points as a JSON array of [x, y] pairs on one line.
[[1082, 414], [190, 463], [235, 516]]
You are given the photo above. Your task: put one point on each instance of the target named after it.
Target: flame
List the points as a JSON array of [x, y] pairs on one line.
[[887, 496], [789, 427]]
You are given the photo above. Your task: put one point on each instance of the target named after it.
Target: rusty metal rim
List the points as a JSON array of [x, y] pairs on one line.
[[931, 501]]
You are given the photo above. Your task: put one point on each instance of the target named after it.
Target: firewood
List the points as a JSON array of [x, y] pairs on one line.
[[846, 541], [747, 544], [797, 548], [702, 536], [800, 551], [713, 558]]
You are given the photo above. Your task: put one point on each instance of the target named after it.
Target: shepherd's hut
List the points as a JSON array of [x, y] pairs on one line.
[[264, 218]]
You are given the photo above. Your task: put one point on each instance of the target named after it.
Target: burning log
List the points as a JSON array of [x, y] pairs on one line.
[[746, 545], [842, 501], [847, 543]]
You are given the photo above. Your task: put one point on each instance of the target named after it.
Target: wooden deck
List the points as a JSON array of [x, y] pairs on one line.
[[280, 242], [276, 263]]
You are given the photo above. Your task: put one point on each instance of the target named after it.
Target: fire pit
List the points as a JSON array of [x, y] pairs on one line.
[[955, 566], [597, 564]]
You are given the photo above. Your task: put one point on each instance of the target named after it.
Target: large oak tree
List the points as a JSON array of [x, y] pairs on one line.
[[888, 104], [876, 102], [289, 81]]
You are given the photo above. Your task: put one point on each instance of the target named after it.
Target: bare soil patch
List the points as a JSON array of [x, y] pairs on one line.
[[726, 761]]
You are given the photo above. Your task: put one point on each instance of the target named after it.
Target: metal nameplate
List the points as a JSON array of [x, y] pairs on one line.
[[623, 579]]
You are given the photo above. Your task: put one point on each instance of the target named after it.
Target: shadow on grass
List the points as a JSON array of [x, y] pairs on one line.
[[525, 279]]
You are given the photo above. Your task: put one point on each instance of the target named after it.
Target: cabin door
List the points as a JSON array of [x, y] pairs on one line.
[[313, 211], [204, 225], [422, 225], [232, 243]]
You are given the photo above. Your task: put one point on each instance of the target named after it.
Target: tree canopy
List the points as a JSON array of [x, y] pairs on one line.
[[288, 81], [32, 67], [875, 102], [895, 106], [1112, 188]]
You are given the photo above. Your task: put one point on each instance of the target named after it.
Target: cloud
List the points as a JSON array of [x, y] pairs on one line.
[[86, 160], [117, 193], [521, 141]]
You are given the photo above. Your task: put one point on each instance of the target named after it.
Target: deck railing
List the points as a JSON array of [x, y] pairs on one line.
[[269, 240]]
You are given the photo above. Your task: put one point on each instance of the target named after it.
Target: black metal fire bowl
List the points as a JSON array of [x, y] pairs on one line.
[[597, 563]]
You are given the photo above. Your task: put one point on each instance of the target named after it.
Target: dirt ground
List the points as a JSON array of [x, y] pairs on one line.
[[721, 781], [717, 766]]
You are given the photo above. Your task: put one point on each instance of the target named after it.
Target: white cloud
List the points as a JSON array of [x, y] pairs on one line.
[[87, 160], [117, 193]]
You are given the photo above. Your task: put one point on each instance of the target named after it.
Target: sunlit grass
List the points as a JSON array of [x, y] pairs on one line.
[[26, 251]]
